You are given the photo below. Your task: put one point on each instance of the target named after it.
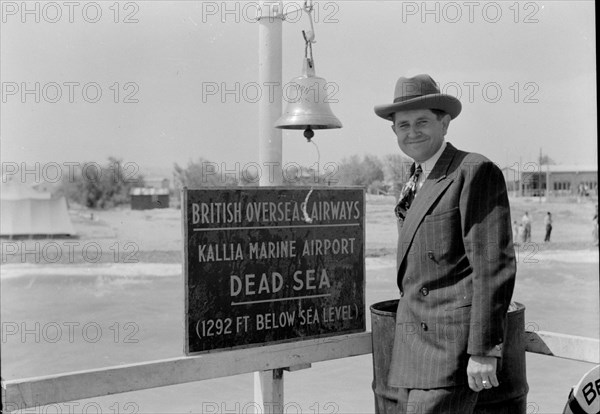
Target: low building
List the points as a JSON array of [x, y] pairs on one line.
[[559, 181], [149, 198], [157, 182]]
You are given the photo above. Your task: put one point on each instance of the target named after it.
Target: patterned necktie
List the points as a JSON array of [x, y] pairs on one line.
[[407, 195]]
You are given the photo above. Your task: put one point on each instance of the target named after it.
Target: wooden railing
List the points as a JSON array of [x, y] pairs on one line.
[[267, 361]]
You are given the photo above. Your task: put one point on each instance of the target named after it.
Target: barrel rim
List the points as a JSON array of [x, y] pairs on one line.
[[393, 303], [375, 308]]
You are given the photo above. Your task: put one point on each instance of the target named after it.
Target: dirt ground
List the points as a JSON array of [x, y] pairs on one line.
[[123, 273], [155, 236]]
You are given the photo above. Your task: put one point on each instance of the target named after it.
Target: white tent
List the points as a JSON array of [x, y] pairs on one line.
[[24, 212]]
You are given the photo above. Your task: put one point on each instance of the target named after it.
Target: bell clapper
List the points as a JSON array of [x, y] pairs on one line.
[[309, 133]]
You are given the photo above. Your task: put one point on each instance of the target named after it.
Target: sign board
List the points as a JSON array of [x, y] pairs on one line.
[[266, 265]]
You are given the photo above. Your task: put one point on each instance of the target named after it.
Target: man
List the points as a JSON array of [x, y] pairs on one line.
[[456, 262], [526, 221], [515, 230], [548, 223], [595, 227]]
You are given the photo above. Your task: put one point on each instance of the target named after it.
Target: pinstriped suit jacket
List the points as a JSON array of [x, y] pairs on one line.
[[456, 272]]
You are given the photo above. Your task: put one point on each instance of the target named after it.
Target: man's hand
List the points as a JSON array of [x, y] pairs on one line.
[[481, 371]]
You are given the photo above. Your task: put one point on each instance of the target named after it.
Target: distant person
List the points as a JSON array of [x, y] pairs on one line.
[[595, 228], [455, 261], [548, 223], [526, 222], [521, 233], [516, 235]]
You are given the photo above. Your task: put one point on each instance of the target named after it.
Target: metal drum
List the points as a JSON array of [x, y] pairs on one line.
[[509, 398]]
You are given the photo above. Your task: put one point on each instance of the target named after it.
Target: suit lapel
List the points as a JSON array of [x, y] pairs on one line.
[[435, 184]]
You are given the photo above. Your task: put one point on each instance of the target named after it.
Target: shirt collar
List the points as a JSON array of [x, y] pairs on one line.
[[428, 165]]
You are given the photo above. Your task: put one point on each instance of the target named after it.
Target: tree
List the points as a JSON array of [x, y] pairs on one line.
[[372, 169], [348, 172], [396, 170], [546, 160], [204, 173], [354, 171], [101, 186]]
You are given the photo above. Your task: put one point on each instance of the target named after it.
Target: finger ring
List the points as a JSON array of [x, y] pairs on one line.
[[484, 382]]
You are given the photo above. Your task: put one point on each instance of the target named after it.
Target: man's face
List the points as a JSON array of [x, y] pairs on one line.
[[420, 134]]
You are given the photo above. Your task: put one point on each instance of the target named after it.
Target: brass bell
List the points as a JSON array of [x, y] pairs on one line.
[[308, 103]]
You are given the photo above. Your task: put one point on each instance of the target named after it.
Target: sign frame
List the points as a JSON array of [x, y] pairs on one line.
[[360, 311]]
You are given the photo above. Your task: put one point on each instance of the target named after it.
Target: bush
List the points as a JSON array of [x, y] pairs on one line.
[[96, 186]]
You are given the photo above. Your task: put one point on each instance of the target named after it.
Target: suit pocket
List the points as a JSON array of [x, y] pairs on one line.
[[441, 216], [440, 237], [458, 306]]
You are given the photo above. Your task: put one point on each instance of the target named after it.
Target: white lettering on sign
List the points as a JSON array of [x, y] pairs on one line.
[[272, 250], [326, 246], [340, 313], [308, 316], [278, 320], [268, 211], [335, 210], [248, 284], [252, 284], [277, 265], [308, 280], [271, 321], [219, 252], [209, 213]]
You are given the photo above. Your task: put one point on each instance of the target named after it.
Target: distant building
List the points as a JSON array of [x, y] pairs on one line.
[[554, 180], [27, 212], [512, 179], [149, 198]]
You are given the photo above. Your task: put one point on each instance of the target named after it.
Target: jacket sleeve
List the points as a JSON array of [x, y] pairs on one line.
[[487, 237]]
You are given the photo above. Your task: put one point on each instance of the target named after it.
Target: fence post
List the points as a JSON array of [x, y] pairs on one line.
[[268, 391]]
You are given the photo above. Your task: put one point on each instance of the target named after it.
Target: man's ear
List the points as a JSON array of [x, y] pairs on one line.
[[445, 123]]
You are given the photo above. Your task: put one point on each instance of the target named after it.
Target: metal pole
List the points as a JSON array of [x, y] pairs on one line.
[[268, 385], [548, 182], [540, 175], [269, 77]]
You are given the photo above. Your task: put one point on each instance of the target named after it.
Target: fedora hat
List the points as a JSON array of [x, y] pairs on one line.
[[419, 92]]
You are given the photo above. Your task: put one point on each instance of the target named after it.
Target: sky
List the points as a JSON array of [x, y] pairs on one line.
[[132, 79]]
